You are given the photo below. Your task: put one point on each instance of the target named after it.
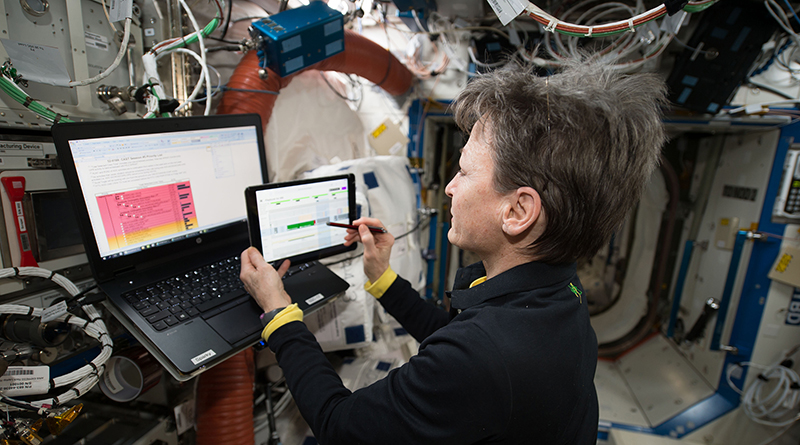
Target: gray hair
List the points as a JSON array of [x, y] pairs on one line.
[[586, 139]]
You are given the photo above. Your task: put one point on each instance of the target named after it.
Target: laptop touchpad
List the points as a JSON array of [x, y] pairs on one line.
[[238, 322]]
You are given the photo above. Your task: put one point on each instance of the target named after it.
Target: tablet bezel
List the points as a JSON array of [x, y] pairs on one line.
[[254, 229]]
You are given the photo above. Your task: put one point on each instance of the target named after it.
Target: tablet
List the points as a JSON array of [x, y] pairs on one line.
[[289, 220]]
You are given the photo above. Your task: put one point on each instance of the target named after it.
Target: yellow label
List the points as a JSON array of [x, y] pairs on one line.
[[377, 132], [724, 222], [783, 263]]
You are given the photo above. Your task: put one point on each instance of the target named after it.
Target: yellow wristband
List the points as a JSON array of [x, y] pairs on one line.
[[288, 314], [379, 287]]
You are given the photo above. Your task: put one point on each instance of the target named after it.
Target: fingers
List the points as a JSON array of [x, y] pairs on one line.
[[367, 239], [284, 267], [247, 265], [368, 221], [256, 259]]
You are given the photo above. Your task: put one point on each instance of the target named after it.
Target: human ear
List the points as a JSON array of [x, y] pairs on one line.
[[523, 209]]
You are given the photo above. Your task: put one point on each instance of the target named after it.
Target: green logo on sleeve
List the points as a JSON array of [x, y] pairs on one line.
[[576, 291]]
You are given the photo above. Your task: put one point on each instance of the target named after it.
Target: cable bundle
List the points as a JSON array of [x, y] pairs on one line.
[[774, 394], [178, 44], [83, 378]]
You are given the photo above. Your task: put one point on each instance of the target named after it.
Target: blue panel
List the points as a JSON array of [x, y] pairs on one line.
[[793, 313], [712, 107], [756, 284], [383, 366], [748, 314], [735, 13], [400, 331], [689, 80], [370, 180], [354, 334], [684, 95], [725, 300], [737, 45], [719, 33], [676, 299], [443, 259], [417, 113], [698, 415], [431, 261], [334, 47]]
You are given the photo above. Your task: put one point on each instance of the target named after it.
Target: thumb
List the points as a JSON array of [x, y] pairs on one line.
[[255, 258]]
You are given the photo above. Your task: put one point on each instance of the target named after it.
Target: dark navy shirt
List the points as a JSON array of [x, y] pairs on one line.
[[512, 363]]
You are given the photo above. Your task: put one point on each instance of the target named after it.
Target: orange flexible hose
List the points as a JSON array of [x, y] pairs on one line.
[[224, 404], [361, 56]]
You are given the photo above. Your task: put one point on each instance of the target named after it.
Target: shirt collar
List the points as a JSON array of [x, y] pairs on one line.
[[521, 278]]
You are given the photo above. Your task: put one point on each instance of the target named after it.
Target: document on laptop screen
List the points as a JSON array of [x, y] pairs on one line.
[[143, 191]]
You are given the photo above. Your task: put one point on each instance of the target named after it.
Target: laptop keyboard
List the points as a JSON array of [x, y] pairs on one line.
[[198, 293]]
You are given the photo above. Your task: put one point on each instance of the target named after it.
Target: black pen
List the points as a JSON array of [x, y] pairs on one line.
[[372, 229]]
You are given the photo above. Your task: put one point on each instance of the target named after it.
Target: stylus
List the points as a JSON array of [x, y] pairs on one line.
[[350, 226]]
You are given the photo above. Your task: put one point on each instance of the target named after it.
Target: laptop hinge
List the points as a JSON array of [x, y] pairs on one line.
[[125, 271]]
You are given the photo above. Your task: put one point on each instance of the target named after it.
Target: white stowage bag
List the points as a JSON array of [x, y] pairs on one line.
[[384, 190], [310, 126]]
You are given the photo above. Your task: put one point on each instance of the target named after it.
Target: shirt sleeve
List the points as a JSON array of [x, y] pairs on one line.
[[453, 392], [379, 287], [418, 317]]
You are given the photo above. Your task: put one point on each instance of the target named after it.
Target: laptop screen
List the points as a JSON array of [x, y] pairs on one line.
[[147, 190], [289, 220]]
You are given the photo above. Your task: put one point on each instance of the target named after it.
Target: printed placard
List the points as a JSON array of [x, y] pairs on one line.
[[507, 10], [120, 10], [25, 380], [40, 63], [793, 313], [96, 41], [54, 311], [203, 357], [314, 299]]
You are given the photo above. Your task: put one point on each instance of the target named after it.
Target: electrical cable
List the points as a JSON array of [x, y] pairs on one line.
[[783, 20], [151, 76], [553, 24], [416, 227], [797, 19], [84, 378], [766, 402], [8, 86], [227, 20], [105, 11], [199, 84], [122, 49], [223, 40], [246, 90], [203, 63], [325, 78], [770, 89]]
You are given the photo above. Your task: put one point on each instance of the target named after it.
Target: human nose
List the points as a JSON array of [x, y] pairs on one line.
[[448, 190]]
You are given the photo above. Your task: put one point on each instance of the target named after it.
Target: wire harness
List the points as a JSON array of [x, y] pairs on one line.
[[553, 24], [82, 379], [774, 394]]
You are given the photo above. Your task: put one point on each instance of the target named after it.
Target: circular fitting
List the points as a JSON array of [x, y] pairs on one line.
[[36, 8]]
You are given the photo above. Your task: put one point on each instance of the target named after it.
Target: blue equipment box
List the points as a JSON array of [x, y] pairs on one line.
[[294, 39]]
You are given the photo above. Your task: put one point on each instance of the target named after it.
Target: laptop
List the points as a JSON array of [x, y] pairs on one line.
[[161, 211], [289, 220]]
